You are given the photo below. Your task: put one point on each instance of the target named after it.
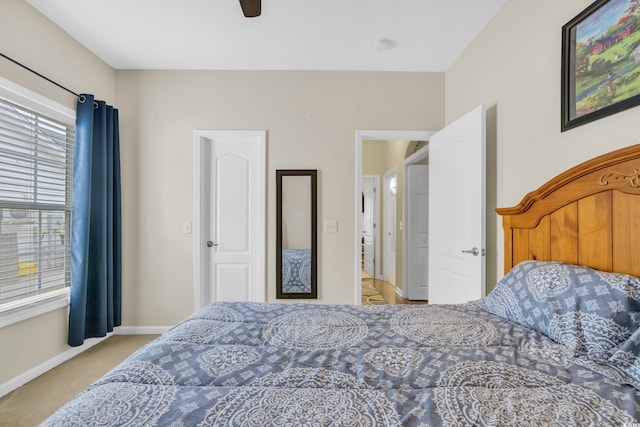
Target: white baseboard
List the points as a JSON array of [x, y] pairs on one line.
[[140, 330], [33, 373], [400, 292]]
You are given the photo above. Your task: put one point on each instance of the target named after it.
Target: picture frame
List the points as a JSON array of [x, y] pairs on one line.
[[600, 62]]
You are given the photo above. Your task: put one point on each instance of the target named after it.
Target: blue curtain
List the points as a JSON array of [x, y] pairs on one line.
[[96, 257]]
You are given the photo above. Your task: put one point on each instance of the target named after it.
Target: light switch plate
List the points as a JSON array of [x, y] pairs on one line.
[[186, 227], [331, 226]]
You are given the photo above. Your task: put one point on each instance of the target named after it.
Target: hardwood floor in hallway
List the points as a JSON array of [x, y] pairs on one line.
[[377, 292]]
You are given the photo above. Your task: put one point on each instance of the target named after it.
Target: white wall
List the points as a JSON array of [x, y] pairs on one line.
[[311, 119], [31, 39], [513, 67]]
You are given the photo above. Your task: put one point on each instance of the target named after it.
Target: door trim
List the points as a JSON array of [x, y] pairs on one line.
[[201, 203], [380, 135]]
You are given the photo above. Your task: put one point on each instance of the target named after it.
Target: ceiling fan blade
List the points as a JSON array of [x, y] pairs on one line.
[[251, 8]]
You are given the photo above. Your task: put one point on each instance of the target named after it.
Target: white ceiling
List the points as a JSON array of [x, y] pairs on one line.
[[426, 35]]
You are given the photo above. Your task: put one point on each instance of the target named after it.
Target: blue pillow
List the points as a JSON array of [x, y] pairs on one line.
[[594, 313]]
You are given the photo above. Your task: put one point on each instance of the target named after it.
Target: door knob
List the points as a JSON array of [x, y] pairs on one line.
[[210, 244], [474, 251]]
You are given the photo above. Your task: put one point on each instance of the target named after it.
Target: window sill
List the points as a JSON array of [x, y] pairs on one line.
[[17, 311]]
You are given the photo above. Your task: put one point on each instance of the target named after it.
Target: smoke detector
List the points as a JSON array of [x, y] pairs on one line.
[[383, 44]]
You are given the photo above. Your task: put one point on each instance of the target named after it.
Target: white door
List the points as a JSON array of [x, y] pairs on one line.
[[233, 218], [369, 225], [457, 211], [418, 232], [390, 191]]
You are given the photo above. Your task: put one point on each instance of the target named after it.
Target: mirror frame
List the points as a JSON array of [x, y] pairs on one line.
[[313, 174]]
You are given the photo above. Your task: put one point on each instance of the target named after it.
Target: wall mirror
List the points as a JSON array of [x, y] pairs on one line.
[[296, 234]]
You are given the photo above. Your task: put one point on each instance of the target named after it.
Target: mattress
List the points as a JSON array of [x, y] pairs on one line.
[[263, 364]]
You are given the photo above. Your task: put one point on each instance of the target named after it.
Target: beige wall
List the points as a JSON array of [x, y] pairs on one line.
[[513, 67], [31, 39], [311, 119]]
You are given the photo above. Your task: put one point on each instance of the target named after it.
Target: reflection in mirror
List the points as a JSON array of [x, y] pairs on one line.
[[296, 229]]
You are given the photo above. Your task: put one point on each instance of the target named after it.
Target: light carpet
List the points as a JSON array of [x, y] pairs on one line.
[[32, 403]]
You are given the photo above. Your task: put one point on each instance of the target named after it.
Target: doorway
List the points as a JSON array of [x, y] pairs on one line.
[[229, 216], [363, 137], [456, 219]]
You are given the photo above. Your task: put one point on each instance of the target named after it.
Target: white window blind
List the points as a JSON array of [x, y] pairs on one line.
[[36, 166]]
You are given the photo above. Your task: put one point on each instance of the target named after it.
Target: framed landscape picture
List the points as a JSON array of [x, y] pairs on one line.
[[600, 62]]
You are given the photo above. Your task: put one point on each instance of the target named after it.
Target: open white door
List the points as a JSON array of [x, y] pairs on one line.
[[369, 225], [390, 223], [457, 211], [418, 217]]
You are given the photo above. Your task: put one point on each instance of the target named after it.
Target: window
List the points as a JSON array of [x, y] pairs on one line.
[[36, 165]]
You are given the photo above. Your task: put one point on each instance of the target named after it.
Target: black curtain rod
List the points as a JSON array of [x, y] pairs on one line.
[[38, 74]]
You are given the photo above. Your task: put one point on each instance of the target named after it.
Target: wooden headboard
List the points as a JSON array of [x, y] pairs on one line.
[[588, 215]]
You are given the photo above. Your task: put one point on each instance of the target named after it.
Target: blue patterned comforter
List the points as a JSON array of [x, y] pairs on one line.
[[263, 364], [296, 271]]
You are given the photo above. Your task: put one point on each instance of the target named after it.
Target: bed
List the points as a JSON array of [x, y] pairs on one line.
[[296, 271], [555, 343]]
